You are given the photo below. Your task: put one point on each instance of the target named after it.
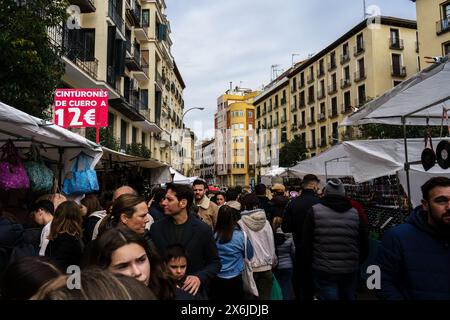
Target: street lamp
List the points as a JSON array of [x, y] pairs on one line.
[[199, 108]]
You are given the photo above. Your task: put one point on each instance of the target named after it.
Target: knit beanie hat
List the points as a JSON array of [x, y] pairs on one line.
[[335, 187]]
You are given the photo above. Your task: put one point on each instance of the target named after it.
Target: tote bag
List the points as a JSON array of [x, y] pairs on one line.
[[12, 172], [80, 181], [247, 274], [41, 177]]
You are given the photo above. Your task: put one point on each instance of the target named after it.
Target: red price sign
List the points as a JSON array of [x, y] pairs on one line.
[[80, 108]]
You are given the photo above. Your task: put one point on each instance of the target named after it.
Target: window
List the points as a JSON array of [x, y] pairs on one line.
[[144, 99], [446, 48], [123, 134], [446, 11], [313, 138], [250, 127], [145, 18], [396, 64], [133, 135], [250, 114], [395, 37], [396, 83], [332, 60], [241, 126], [345, 49], [302, 79], [359, 42], [334, 106], [347, 73]]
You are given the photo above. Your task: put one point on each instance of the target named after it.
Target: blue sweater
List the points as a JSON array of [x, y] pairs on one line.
[[232, 255], [414, 259]]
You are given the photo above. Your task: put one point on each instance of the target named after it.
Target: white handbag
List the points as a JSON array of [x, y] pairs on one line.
[[247, 273]]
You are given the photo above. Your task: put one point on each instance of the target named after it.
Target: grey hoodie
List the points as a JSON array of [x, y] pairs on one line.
[[259, 231]]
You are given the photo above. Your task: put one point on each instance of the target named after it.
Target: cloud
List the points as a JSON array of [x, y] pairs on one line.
[[215, 42]]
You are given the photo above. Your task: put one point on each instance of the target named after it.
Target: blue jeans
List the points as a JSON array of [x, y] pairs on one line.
[[336, 286], [284, 278]]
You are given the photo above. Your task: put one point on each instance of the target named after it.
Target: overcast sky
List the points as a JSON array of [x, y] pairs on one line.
[[216, 42]]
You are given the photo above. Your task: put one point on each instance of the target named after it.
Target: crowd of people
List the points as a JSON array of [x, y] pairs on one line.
[[188, 244]]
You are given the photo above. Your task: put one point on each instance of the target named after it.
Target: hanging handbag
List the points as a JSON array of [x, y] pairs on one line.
[[443, 147], [41, 177], [247, 273], [428, 157], [81, 181], [12, 172]]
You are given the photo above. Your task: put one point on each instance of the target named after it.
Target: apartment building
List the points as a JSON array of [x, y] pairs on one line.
[[362, 64], [234, 138], [205, 161], [433, 25], [124, 46]]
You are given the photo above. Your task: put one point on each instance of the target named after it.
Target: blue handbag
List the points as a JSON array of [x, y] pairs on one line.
[[81, 181], [41, 177]]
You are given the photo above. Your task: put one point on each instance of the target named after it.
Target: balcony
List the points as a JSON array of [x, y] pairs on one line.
[[360, 75], [141, 34], [360, 102], [311, 120], [142, 74], [398, 71], [302, 125], [442, 26], [165, 138], [346, 108], [359, 49], [345, 58], [302, 103], [332, 66], [320, 73], [133, 13], [345, 83], [321, 117], [116, 18], [301, 85], [311, 144], [332, 88], [159, 81], [73, 50], [333, 112], [134, 63], [321, 94], [311, 99], [396, 44], [310, 78], [86, 6], [294, 127]]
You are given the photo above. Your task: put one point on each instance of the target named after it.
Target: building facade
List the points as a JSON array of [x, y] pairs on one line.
[[234, 136], [433, 24], [124, 46], [205, 161], [361, 65]]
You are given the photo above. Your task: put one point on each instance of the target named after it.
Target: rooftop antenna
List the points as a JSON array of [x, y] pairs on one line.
[[292, 57], [274, 71], [365, 10]]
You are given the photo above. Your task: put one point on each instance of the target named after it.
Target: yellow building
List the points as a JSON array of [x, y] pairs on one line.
[[234, 138], [124, 46], [362, 64], [433, 25]]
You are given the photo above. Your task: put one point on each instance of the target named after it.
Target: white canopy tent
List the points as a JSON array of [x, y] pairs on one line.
[[276, 171], [58, 144], [420, 100], [179, 178], [365, 160]]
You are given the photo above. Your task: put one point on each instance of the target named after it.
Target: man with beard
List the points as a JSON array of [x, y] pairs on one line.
[[207, 209], [414, 257]]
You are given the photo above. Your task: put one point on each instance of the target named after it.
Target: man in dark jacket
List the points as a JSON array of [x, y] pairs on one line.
[[293, 219], [179, 227], [264, 202], [414, 257], [334, 242]]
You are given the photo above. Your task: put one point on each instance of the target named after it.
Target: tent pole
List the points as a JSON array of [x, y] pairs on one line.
[[406, 159], [60, 166]]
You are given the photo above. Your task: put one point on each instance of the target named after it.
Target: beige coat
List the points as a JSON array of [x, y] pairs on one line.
[[208, 211]]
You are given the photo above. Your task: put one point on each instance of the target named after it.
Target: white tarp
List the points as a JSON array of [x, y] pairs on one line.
[[365, 160], [24, 129], [181, 179], [426, 88]]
